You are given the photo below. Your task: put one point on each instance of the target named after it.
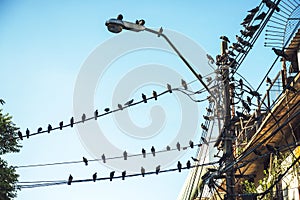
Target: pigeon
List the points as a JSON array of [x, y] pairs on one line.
[[140, 22], [154, 95], [70, 179], [95, 177], [106, 109], [240, 50], [49, 128], [270, 4], [20, 135], [209, 110], [206, 117], [128, 103], [178, 146], [83, 118], [224, 38], [195, 159], [184, 84], [157, 170], [168, 148], [246, 43], [144, 153], [144, 98], [204, 127], [143, 171], [169, 88], [247, 33], [254, 10], [61, 125], [252, 28], [160, 31], [120, 106], [120, 17], [39, 129], [125, 155], [153, 150], [188, 164], [85, 161], [96, 114], [72, 121], [261, 16], [123, 175], [111, 175], [2, 102], [191, 143], [280, 53], [230, 53], [210, 58], [179, 166], [103, 158], [27, 133]]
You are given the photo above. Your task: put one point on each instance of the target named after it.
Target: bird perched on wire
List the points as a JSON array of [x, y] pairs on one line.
[[49, 128], [204, 140], [128, 103], [204, 127], [224, 38], [281, 53], [188, 164], [154, 93], [178, 146], [230, 53], [153, 150], [184, 84], [261, 16], [111, 175], [210, 58], [106, 109], [143, 171], [169, 88], [85, 161], [95, 177], [27, 133], [157, 169], [123, 175], [191, 143], [179, 166], [70, 179], [39, 129], [103, 158], [144, 153], [72, 121], [125, 155], [268, 80], [120, 106], [246, 106], [96, 114], [254, 10], [144, 98], [83, 118], [20, 135], [247, 33], [195, 159]]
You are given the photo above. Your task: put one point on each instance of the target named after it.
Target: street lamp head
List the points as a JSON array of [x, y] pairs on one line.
[[117, 25], [114, 25]]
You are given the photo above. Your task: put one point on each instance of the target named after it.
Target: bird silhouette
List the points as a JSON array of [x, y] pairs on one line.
[[120, 17], [128, 103], [254, 10], [270, 4], [191, 143], [70, 179], [106, 109], [72, 121], [204, 127], [140, 22], [246, 106], [224, 38], [261, 16], [209, 110], [123, 175], [49, 128], [20, 135], [111, 175], [144, 98], [96, 114], [103, 158], [246, 43], [169, 88], [157, 169], [83, 118], [178, 146], [268, 80], [184, 84], [168, 148], [143, 171], [204, 140], [125, 155], [95, 177], [249, 100], [144, 153], [230, 53], [188, 164], [252, 28], [210, 58], [154, 95], [120, 106], [281, 53], [27, 133], [195, 159], [179, 166], [85, 161], [153, 150], [206, 117], [247, 33], [2, 102], [39, 129]]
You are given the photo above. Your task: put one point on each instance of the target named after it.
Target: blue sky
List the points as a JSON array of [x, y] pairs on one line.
[[43, 45]]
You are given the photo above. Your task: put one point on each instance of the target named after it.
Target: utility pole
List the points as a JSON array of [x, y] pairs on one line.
[[228, 132]]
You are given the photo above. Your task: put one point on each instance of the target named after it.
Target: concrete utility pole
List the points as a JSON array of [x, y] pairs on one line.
[[228, 132]]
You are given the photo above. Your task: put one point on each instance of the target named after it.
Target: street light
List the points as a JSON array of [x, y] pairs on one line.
[[117, 25]]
